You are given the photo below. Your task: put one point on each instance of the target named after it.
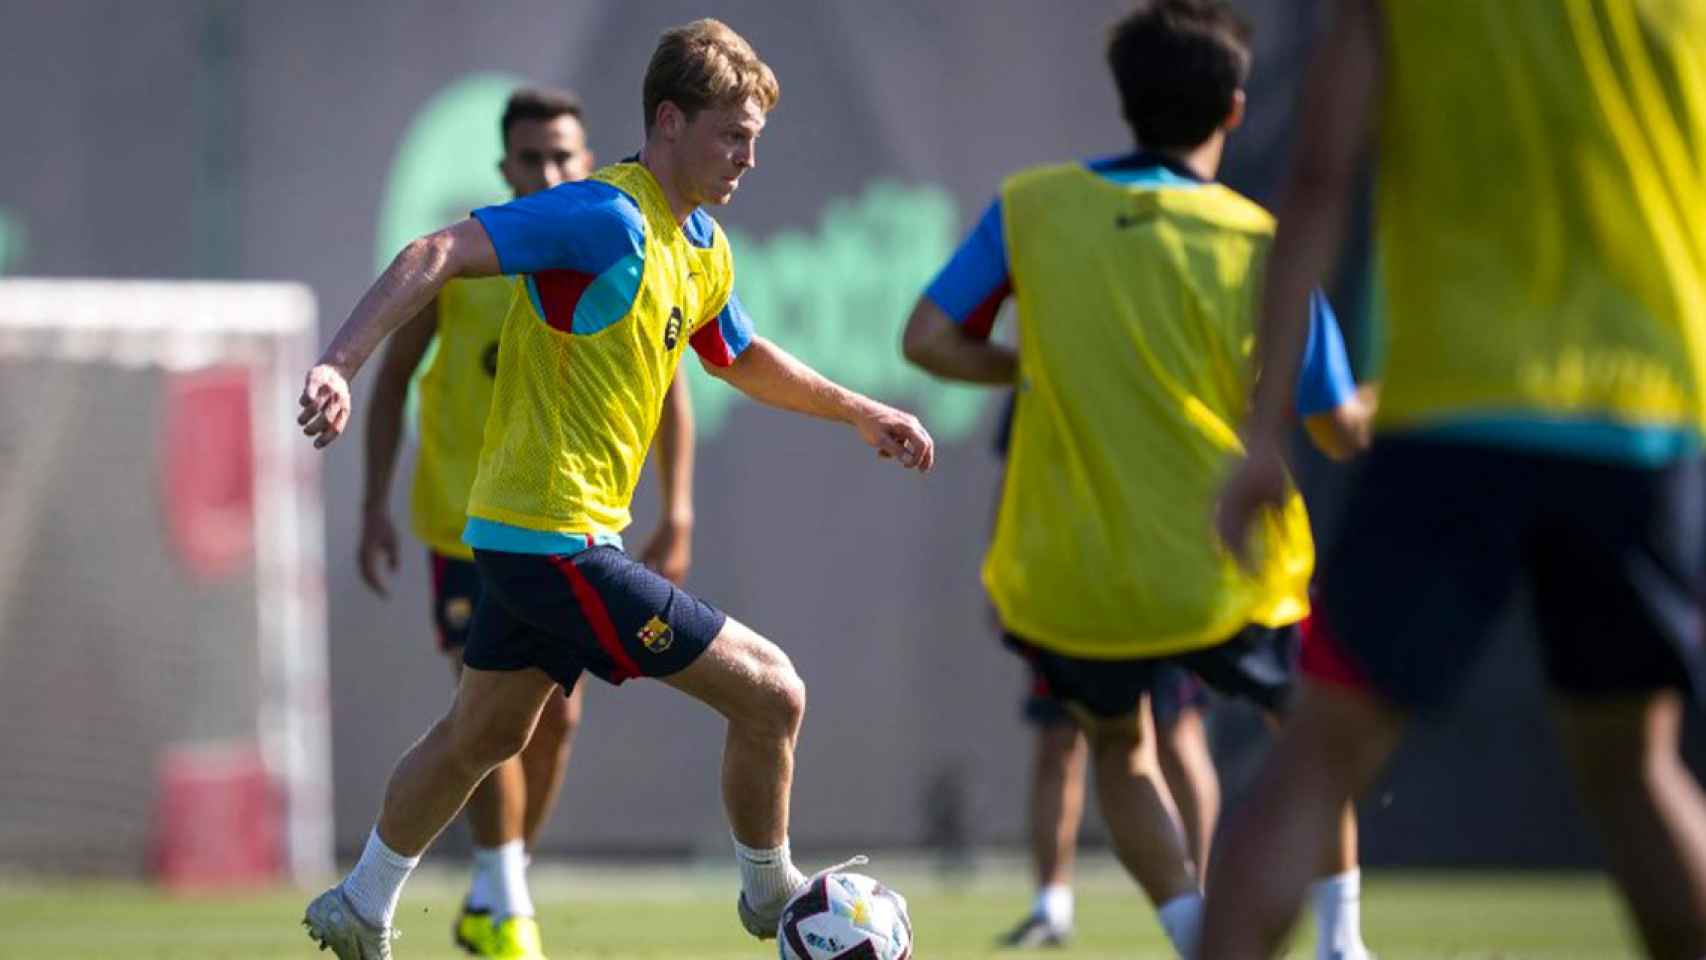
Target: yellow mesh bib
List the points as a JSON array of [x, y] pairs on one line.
[[455, 396], [573, 414], [1135, 333], [1541, 198]]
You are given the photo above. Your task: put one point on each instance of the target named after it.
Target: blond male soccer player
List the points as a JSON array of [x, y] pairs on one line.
[[622, 272], [1135, 278], [1541, 182], [544, 144]]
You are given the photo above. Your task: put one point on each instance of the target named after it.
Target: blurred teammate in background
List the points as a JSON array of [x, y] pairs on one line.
[[1136, 278], [1542, 239], [621, 272], [544, 144], [1179, 703]]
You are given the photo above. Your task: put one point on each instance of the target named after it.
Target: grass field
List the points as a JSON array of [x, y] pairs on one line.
[[689, 913]]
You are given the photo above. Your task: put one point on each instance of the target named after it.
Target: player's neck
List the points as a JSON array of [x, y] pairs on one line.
[[1202, 159], [658, 162]]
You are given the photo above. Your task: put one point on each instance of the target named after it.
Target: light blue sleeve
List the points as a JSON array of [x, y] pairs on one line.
[[1325, 382]]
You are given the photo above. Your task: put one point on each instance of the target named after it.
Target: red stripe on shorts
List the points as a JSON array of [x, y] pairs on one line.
[[1324, 659], [592, 606]]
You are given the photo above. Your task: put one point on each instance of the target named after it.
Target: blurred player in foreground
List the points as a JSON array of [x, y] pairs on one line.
[[621, 273], [544, 145], [1178, 703], [1136, 278], [1542, 417]]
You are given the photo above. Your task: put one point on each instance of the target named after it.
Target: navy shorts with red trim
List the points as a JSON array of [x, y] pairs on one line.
[[598, 610], [1173, 691], [455, 597], [1258, 664], [1438, 535]]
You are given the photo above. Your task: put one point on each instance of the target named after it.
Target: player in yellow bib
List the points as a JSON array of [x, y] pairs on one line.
[[544, 145], [1135, 280], [1541, 210], [619, 274]]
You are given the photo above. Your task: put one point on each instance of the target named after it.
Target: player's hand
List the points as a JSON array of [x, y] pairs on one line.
[[325, 404], [670, 551], [377, 553], [897, 434], [1259, 483]]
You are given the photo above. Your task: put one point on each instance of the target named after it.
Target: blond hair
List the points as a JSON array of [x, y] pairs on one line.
[[705, 64]]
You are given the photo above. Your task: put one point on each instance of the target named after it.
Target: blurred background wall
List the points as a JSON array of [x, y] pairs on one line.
[[308, 140]]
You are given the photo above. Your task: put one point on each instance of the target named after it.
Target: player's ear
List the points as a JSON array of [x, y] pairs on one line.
[[1235, 115], [503, 171], [670, 119]]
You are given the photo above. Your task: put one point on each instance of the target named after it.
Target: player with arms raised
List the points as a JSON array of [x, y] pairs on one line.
[[621, 273]]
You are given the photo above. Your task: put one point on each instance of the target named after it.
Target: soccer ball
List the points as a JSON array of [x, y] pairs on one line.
[[845, 916]]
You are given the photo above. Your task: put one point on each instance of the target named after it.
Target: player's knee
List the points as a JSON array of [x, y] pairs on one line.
[[560, 719], [778, 704], [480, 743], [1120, 743]]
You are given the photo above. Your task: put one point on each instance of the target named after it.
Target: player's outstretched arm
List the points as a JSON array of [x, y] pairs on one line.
[[935, 343], [670, 549], [770, 375], [400, 293], [1337, 114], [376, 554]]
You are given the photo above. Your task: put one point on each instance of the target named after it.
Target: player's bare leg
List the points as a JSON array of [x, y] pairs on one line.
[[545, 760], [1056, 811], [1650, 811], [751, 682], [498, 889], [1188, 766], [1140, 819], [1057, 802], [1331, 747], [490, 721]]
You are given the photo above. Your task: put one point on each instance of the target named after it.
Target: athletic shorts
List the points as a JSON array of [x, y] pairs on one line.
[[455, 596], [1175, 690], [1259, 664], [1438, 536], [598, 610]]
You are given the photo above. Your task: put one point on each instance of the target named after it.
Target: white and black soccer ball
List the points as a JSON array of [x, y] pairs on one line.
[[845, 916]]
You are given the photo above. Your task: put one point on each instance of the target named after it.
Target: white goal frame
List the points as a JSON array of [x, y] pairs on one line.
[[268, 328]]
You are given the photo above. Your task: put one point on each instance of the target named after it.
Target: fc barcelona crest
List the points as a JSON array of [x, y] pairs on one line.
[[656, 635]]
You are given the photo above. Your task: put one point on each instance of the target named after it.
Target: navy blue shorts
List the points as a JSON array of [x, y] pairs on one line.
[[1259, 664], [597, 610], [1438, 536], [455, 597], [1175, 690]]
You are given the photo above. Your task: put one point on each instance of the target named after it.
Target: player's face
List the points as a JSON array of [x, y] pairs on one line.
[[717, 147], [539, 154]]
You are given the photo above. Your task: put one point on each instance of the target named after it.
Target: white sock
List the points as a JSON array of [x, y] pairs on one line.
[[1054, 905], [767, 877], [376, 883], [1181, 918], [1338, 916], [500, 876]]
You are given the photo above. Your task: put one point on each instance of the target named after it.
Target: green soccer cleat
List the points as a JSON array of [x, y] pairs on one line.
[[472, 930], [517, 938]]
